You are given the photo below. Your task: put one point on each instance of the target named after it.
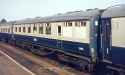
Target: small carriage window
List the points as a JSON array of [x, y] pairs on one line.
[[66, 24], [5, 29], [2, 29], [69, 24], [34, 29], [19, 29], [8, 30], [83, 23], [41, 30], [77, 23], [59, 30], [48, 28], [24, 29], [29, 30], [15, 29]]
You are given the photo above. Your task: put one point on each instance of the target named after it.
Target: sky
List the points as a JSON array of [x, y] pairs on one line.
[[21, 9]]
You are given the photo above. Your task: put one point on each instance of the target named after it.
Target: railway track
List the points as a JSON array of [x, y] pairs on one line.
[[37, 64]]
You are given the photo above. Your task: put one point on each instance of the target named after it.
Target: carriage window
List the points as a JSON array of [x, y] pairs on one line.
[[5, 29], [83, 23], [8, 29], [1, 29], [15, 29], [24, 29], [19, 29], [59, 30], [29, 29], [48, 28], [41, 30], [69, 24], [66, 24], [34, 29], [77, 24]]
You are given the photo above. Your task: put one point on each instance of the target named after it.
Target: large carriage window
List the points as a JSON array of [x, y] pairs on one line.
[[34, 29], [24, 29], [41, 30], [19, 29], [48, 28], [29, 30]]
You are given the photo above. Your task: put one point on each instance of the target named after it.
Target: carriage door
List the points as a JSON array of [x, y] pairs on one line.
[[59, 42], [105, 37], [59, 30]]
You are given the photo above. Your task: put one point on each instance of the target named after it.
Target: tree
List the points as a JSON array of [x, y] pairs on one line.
[[3, 20]]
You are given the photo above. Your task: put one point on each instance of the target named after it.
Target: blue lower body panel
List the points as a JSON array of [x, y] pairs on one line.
[[5, 36], [118, 55], [77, 48]]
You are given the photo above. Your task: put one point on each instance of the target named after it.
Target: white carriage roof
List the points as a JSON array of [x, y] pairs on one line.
[[115, 11], [76, 15]]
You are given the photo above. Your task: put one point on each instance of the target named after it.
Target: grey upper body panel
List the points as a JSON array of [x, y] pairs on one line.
[[114, 11]]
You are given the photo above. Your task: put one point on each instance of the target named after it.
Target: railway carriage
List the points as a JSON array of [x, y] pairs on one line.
[[92, 40], [66, 35], [112, 38]]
